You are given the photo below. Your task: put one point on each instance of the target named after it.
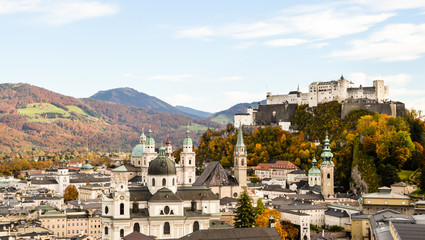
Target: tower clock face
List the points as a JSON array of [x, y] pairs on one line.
[[122, 197]]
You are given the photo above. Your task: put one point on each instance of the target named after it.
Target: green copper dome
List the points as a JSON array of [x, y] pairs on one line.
[[138, 150], [314, 171], [87, 166], [149, 139], [327, 155], [162, 165], [187, 140]]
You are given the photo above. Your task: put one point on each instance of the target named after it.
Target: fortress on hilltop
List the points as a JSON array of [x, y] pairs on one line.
[[339, 90], [279, 108]]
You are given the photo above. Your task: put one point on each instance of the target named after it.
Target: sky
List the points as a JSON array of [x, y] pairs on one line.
[[210, 55]]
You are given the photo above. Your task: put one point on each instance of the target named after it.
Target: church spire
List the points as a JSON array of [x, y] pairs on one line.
[[240, 143], [327, 155]]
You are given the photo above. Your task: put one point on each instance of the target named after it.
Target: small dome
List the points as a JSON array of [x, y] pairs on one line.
[[162, 165], [138, 150], [314, 172], [87, 166], [187, 140]]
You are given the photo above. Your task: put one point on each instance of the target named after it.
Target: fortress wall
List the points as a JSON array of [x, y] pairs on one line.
[[392, 109], [284, 112]]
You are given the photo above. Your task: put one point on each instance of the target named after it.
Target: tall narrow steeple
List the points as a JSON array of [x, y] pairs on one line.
[[327, 171], [240, 159]]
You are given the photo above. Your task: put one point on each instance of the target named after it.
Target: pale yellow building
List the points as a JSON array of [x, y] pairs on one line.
[[385, 199]]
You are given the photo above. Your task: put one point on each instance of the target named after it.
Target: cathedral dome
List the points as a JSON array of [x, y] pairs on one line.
[[162, 165], [138, 150], [87, 166]]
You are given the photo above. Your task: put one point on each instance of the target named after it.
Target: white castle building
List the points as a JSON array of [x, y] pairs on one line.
[[319, 92], [339, 90]]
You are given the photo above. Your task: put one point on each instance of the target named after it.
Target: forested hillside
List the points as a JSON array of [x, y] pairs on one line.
[[369, 149], [39, 119]]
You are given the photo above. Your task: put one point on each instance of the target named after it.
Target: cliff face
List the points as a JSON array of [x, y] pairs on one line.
[[364, 178]]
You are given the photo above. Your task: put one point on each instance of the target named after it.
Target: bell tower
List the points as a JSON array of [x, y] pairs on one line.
[[240, 159], [327, 171]]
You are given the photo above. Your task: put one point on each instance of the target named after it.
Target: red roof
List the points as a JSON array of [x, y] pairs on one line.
[[284, 165], [263, 166]]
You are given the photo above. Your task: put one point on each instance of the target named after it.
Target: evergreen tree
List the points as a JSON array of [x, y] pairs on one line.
[[260, 208], [422, 179], [245, 214]]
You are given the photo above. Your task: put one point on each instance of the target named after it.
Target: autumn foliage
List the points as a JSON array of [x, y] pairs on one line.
[[71, 193], [262, 220]]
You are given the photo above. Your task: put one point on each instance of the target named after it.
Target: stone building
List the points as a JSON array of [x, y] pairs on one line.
[[385, 199], [339, 90], [160, 206]]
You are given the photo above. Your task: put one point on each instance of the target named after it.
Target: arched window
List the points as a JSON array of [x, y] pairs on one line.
[[196, 226], [122, 209], [242, 163], [106, 210], [329, 175], [174, 182], [190, 161], [167, 210], [153, 182], [136, 227], [122, 233], [164, 182], [106, 230], [166, 228]]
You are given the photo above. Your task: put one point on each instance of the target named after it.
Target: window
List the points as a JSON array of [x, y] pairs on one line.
[[235, 194], [166, 228], [242, 162], [136, 227], [174, 182], [196, 226], [167, 210], [164, 182], [122, 209], [190, 180], [122, 233], [329, 175], [153, 182], [190, 161]]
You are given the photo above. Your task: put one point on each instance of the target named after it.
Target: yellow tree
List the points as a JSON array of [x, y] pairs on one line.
[[262, 220]]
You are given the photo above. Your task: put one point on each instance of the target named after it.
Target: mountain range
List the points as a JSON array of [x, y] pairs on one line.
[[34, 118]]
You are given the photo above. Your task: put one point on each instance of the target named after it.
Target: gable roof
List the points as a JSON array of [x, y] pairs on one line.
[[137, 236], [215, 175]]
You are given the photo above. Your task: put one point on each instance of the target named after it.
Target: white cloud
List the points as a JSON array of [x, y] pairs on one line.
[[8, 7], [319, 45], [390, 5], [395, 42], [59, 12], [315, 22], [394, 81], [171, 78], [404, 92], [285, 42]]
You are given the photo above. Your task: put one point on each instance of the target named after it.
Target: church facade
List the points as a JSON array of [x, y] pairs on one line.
[[155, 196]]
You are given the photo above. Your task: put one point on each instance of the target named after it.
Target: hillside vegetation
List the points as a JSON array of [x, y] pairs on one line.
[[369, 148], [39, 119]]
